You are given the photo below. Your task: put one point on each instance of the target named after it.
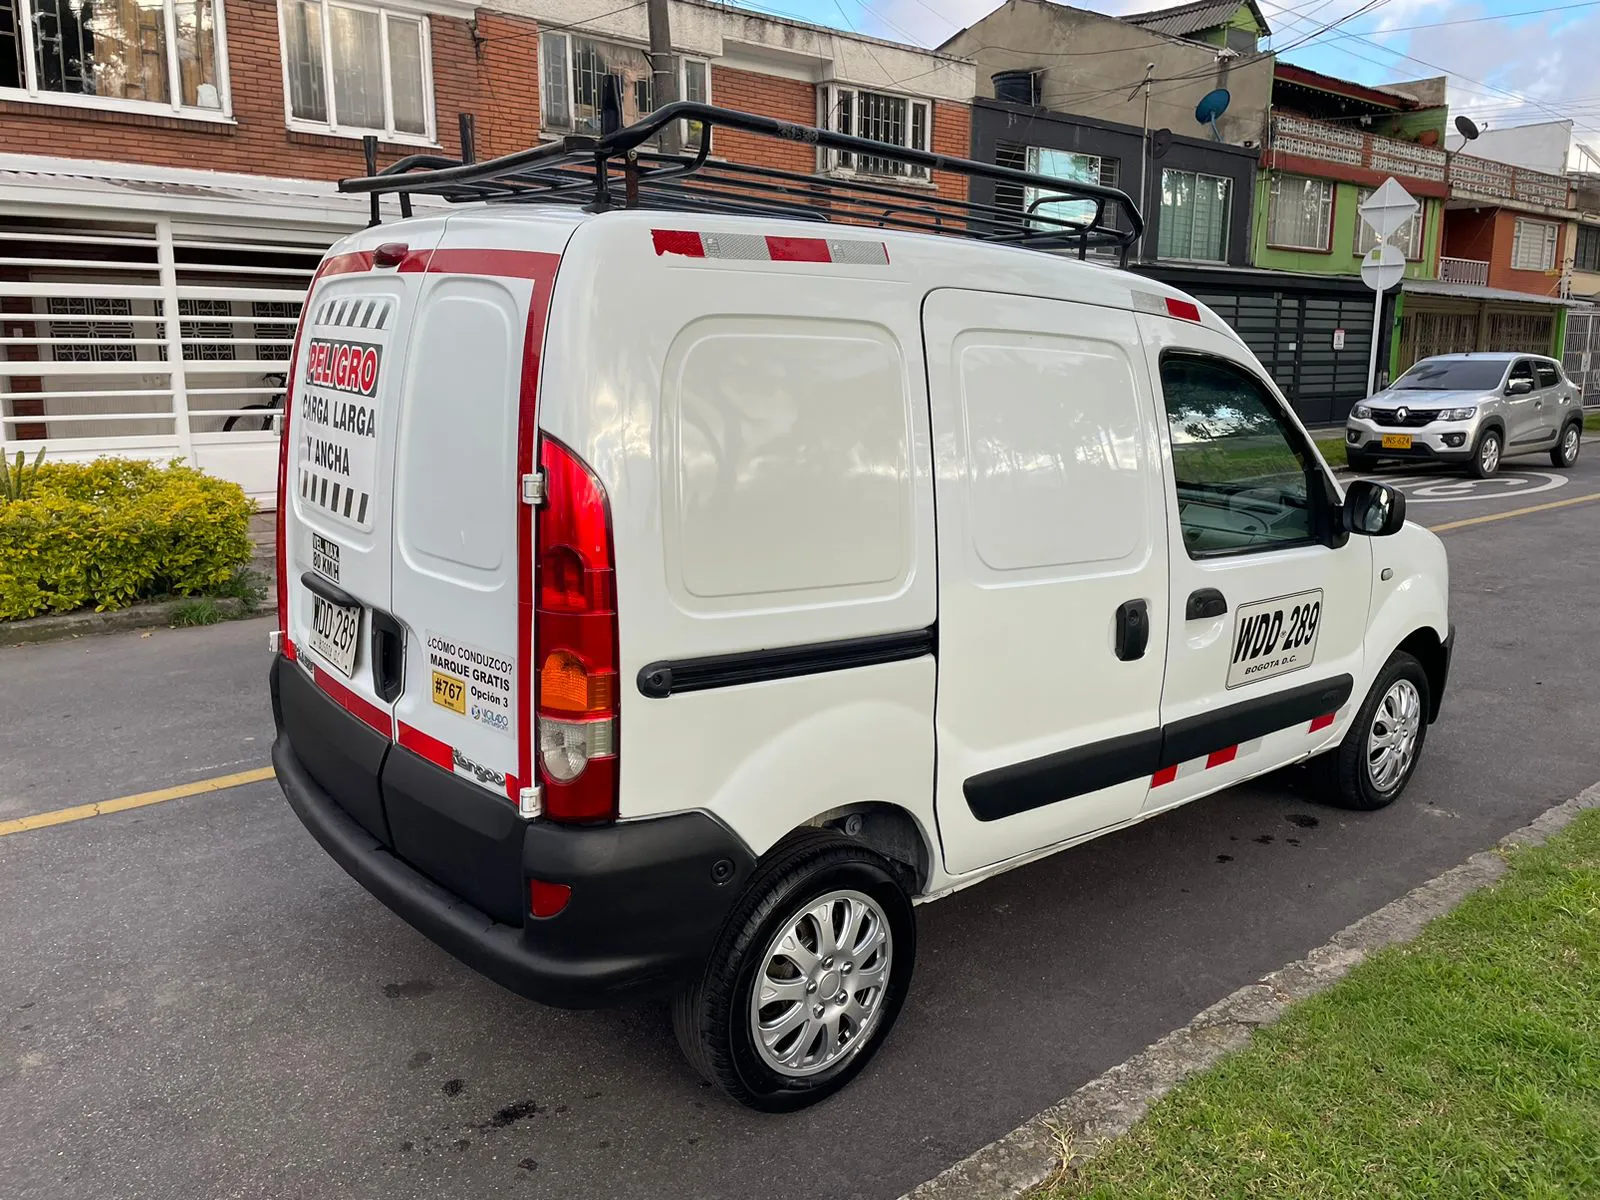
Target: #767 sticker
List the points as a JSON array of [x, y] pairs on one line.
[[473, 682]]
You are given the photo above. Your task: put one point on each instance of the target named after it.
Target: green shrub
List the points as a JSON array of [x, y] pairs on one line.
[[109, 532]]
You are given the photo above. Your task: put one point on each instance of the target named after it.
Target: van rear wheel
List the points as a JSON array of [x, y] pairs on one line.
[[807, 978]]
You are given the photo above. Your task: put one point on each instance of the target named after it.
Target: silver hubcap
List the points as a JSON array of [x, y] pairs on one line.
[[1392, 740], [1491, 453], [1569, 444], [821, 986]]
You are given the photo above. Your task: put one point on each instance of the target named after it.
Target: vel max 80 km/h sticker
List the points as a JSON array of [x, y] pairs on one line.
[[1273, 637]]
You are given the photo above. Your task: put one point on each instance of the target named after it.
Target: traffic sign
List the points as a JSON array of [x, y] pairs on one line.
[[1383, 267], [1388, 208]]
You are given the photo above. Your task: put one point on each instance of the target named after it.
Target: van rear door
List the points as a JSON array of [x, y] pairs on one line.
[[342, 428], [461, 575]]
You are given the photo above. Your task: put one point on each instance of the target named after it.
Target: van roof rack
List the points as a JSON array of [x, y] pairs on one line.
[[617, 169]]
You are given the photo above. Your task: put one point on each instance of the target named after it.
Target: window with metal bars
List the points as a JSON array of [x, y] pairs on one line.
[[273, 335], [882, 117], [115, 51], [201, 338], [1587, 252], [572, 67], [92, 321]]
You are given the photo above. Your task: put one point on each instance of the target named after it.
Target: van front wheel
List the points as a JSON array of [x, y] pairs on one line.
[[807, 978], [1372, 766]]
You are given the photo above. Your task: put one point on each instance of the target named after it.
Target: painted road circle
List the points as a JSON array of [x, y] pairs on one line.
[[1457, 489]]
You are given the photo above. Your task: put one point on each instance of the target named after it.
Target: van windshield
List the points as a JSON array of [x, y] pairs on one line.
[[1452, 375]]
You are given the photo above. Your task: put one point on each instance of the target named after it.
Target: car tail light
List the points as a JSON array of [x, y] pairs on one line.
[[282, 550], [575, 642]]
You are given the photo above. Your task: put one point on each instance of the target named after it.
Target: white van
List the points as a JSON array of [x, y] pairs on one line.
[[672, 596]]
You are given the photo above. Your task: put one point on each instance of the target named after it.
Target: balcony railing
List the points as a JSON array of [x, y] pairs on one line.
[[1502, 181], [1464, 270], [1355, 148]]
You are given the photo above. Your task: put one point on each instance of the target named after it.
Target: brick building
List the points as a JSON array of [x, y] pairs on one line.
[[168, 182]]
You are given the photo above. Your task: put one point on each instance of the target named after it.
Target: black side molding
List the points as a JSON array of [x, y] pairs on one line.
[[1190, 738], [1007, 791], [659, 680], [1021, 787]]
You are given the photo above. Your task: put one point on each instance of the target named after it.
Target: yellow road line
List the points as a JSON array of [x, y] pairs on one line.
[[81, 812], [1515, 512]]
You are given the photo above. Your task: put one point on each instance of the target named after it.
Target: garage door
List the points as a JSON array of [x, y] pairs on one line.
[[1294, 336]]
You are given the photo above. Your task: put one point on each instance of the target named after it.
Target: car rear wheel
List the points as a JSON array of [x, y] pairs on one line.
[[1371, 767], [807, 978], [1566, 451], [1486, 458]]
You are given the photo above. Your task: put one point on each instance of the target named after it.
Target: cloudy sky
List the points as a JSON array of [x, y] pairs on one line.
[[1532, 60]]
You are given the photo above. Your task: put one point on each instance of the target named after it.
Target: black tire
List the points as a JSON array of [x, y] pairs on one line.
[[1346, 779], [1362, 464], [1571, 441], [711, 1015], [1484, 462]]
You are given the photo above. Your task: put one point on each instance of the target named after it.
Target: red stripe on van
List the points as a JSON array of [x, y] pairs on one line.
[[798, 249], [527, 441], [1218, 758], [356, 705], [345, 264], [513, 264], [678, 241], [1164, 776], [431, 748], [1322, 722]]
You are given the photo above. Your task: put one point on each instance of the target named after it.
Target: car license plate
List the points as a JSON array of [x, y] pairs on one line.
[[1397, 441], [334, 631], [1274, 637]]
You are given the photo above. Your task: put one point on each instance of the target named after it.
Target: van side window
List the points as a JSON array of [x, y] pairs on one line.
[[1522, 370], [1241, 470], [1547, 373]]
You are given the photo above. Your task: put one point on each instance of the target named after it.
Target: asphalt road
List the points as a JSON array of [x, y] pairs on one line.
[[196, 1002]]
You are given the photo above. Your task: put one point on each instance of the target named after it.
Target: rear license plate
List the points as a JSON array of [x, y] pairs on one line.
[[335, 629], [1275, 637], [325, 557], [1397, 441]]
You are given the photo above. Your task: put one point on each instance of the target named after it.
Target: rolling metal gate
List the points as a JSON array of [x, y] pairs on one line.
[[159, 337], [1293, 336]]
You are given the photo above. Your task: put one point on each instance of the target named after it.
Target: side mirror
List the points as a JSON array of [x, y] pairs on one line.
[[1374, 509], [1519, 387]]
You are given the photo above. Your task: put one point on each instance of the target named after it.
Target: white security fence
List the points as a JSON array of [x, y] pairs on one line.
[[150, 336]]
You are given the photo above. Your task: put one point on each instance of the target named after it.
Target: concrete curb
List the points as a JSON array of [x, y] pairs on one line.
[[154, 615], [1106, 1108]]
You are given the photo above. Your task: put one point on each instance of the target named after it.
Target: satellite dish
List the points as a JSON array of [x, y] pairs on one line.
[[1160, 142], [1466, 127], [1212, 105]]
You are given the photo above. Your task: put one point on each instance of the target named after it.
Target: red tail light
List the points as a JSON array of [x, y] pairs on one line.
[[575, 642], [282, 549]]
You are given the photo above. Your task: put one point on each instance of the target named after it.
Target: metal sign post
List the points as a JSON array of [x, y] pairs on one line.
[[1385, 213]]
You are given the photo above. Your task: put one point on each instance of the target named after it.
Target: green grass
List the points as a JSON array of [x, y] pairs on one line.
[[1465, 1064], [246, 586], [1592, 422], [202, 610], [1332, 449]]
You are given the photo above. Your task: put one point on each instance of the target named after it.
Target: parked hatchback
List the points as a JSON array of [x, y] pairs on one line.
[[1476, 409]]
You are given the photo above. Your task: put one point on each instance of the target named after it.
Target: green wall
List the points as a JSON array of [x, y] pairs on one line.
[[1343, 260]]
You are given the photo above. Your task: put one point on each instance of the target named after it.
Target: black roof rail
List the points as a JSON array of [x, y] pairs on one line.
[[620, 169]]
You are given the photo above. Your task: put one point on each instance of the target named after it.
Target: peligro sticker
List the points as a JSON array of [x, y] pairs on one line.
[[473, 682]]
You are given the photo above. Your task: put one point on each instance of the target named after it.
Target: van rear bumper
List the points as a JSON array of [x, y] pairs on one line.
[[648, 900]]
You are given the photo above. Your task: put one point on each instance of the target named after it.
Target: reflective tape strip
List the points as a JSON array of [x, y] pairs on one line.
[[1322, 722], [755, 247], [429, 747], [1194, 766]]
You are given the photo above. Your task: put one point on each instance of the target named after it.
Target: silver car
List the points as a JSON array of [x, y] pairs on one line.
[[1476, 409]]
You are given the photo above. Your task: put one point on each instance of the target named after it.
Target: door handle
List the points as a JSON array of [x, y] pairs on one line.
[[388, 656], [1133, 629], [1205, 603]]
